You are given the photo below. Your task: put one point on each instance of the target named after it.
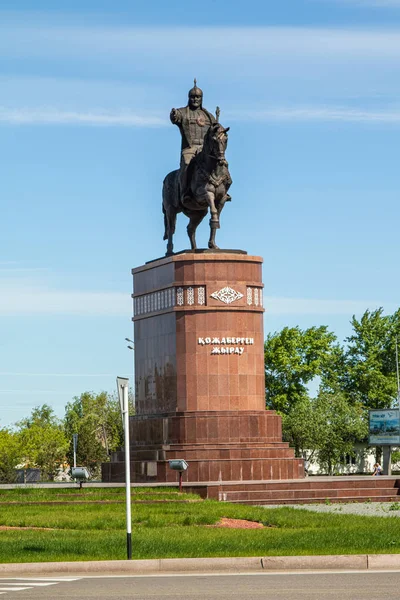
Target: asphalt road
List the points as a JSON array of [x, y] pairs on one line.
[[370, 585]]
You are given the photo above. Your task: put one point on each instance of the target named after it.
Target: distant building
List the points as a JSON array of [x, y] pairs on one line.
[[362, 462]]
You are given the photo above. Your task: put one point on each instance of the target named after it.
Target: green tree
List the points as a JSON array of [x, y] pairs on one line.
[[40, 416], [10, 455], [346, 424], [302, 428], [370, 364], [293, 358], [325, 428], [42, 441], [96, 418]]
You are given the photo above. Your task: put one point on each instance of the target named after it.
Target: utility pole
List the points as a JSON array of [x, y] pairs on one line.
[[397, 371], [387, 450], [75, 443]]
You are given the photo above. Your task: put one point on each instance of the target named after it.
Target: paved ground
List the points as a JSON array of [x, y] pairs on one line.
[[366, 509], [266, 586]]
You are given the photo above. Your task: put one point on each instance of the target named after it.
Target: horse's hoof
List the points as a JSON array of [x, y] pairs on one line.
[[213, 246]]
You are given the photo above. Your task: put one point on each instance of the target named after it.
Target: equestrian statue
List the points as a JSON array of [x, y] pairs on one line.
[[203, 180]]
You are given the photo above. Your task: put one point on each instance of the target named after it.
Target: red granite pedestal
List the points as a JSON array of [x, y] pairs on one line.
[[199, 374]]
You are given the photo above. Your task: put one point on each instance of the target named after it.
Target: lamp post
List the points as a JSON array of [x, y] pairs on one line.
[[131, 346], [123, 387], [397, 372]]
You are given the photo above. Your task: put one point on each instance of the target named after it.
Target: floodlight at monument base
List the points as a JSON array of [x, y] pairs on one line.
[[80, 474], [180, 465]]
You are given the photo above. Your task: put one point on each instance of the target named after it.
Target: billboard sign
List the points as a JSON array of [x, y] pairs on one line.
[[384, 427]]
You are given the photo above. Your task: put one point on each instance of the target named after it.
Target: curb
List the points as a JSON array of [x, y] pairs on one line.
[[357, 562], [292, 563], [162, 565]]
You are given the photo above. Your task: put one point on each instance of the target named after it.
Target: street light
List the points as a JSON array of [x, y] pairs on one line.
[[397, 373], [132, 347], [123, 387]]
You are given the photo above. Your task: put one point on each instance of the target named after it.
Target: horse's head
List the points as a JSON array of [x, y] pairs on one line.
[[216, 141]]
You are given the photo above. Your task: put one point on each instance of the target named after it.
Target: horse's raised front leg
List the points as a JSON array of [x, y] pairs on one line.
[[195, 220], [211, 242], [214, 220], [220, 205]]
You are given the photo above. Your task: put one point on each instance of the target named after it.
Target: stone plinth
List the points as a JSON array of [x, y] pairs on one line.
[[182, 305], [199, 373]]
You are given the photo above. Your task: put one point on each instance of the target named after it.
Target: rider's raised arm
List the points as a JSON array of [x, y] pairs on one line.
[[175, 116]]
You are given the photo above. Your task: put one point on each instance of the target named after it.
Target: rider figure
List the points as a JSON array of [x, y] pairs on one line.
[[193, 121]]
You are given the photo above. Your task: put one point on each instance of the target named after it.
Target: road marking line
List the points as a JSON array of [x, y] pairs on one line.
[[250, 573], [30, 583], [16, 589], [55, 579]]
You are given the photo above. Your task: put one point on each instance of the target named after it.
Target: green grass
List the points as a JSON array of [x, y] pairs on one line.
[[88, 493], [174, 529]]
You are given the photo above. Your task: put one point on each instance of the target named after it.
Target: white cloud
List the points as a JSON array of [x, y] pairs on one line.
[[223, 45], [55, 116], [319, 113], [144, 72], [6, 268], [312, 306], [17, 299], [56, 392], [122, 118], [374, 3], [80, 95], [23, 298], [12, 374], [24, 294]]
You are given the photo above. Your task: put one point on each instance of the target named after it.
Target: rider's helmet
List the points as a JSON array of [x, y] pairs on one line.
[[195, 91]]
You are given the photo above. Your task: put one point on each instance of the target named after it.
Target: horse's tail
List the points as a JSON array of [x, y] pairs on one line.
[[165, 237], [164, 199], [170, 201]]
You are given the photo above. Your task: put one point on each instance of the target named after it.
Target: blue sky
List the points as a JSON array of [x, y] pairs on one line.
[[310, 89]]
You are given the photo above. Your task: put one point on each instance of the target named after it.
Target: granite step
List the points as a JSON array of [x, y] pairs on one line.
[[273, 495], [319, 500], [316, 483]]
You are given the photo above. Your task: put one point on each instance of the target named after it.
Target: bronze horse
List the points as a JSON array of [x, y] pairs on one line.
[[209, 182]]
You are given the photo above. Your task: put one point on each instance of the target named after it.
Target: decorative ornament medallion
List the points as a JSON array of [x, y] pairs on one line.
[[227, 295]]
